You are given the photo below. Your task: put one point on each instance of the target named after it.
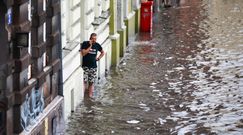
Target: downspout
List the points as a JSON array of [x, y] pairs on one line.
[[60, 79]]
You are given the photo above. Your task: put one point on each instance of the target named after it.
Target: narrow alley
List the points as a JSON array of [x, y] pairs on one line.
[[185, 77]]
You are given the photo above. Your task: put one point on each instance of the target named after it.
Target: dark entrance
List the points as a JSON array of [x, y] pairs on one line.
[[4, 56], [3, 35]]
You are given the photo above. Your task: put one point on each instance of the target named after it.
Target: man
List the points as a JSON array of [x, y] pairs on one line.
[[167, 3], [89, 50]]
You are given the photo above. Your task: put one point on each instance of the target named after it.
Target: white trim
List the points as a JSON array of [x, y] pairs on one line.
[[130, 15], [31, 81], [46, 68], [115, 36], [44, 59], [125, 8], [102, 25], [44, 5], [44, 32], [67, 68], [29, 11], [139, 6], [123, 27]]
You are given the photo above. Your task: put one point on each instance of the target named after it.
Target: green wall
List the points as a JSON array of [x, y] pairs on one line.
[[115, 55], [123, 42], [137, 20]]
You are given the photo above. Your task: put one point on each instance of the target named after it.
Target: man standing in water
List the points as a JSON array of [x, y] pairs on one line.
[[89, 50]]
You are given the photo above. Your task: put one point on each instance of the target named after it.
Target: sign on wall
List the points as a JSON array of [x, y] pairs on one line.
[[10, 16]]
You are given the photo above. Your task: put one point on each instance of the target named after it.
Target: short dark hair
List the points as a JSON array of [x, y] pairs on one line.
[[92, 35]]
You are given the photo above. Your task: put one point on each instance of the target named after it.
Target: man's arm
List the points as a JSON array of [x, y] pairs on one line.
[[86, 51], [102, 53]]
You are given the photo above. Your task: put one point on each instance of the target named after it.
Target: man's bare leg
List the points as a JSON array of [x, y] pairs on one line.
[[85, 85], [91, 89], [86, 91]]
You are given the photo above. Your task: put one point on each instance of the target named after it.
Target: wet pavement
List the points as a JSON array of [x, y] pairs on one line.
[[184, 78]]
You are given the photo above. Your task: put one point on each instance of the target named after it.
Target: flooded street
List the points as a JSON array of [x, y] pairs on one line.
[[184, 78]]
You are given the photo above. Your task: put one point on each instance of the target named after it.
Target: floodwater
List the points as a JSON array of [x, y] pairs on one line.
[[186, 77]]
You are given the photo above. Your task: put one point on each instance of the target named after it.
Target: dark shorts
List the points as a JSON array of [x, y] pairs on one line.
[[90, 74]]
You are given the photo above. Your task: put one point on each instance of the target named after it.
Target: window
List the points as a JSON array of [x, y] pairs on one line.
[[44, 59], [29, 47], [55, 23], [44, 40], [40, 6], [24, 14], [54, 125], [29, 11], [44, 32], [44, 5], [29, 51]]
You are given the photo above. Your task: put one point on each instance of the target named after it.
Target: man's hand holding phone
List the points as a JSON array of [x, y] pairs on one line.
[[90, 44]]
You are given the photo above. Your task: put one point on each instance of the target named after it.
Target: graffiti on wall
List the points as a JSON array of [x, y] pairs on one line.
[[37, 101], [26, 114], [32, 107]]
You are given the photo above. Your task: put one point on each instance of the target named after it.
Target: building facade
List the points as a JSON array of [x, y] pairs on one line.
[[79, 20], [31, 100], [124, 25], [41, 78], [109, 20]]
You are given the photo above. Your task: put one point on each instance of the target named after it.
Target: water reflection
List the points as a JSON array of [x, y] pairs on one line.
[[186, 78]]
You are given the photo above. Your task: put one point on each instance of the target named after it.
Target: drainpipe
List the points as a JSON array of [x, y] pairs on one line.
[[60, 72]]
